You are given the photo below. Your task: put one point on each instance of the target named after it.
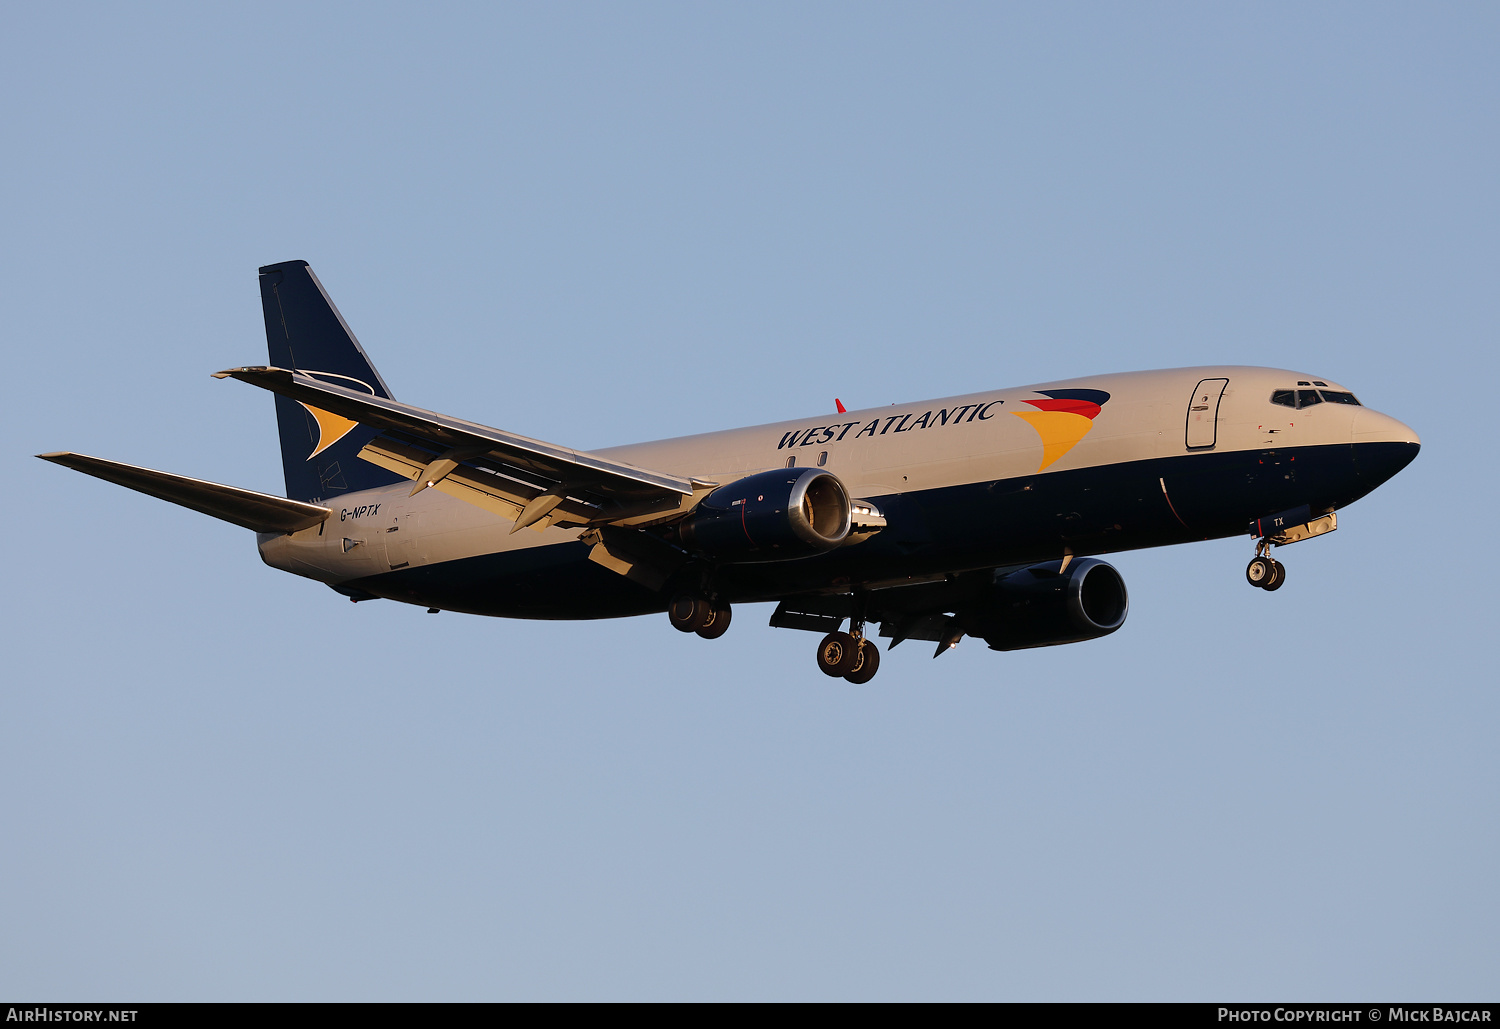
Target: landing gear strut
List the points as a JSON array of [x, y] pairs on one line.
[[1265, 571], [690, 613], [848, 655]]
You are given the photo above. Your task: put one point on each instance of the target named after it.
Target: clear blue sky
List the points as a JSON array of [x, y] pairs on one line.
[[596, 224]]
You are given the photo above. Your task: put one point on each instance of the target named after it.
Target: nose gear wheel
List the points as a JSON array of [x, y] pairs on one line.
[[1278, 576], [1259, 571], [1263, 570]]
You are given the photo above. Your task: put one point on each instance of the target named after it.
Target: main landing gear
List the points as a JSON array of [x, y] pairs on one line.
[[848, 655], [842, 655], [845, 656], [708, 618], [1264, 571]]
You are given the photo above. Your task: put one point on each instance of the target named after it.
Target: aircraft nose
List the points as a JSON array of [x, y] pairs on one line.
[[1374, 427], [1382, 445]]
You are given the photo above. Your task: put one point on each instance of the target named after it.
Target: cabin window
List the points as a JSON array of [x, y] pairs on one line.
[[791, 462], [1334, 397], [1285, 397], [1308, 397], [822, 459]]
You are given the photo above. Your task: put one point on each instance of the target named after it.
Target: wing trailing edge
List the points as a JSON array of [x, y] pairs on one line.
[[248, 509], [455, 432], [534, 483]]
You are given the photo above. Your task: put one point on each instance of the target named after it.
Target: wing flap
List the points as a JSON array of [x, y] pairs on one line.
[[260, 512], [509, 496], [638, 556], [501, 494]]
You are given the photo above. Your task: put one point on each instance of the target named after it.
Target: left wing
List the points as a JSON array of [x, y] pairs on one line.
[[258, 511], [526, 480]]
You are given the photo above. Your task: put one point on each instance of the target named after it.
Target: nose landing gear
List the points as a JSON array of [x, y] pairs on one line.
[[1265, 571], [1280, 530]]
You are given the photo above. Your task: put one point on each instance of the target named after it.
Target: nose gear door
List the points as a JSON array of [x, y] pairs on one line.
[[1203, 414]]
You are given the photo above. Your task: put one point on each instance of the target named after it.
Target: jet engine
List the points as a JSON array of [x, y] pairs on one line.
[[771, 516], [1043, 607]]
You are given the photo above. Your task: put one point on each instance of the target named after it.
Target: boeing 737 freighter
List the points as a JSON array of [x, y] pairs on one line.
[[977, 515]]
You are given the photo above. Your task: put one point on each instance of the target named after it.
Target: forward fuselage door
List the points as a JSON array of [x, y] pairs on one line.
[[1203, 414]]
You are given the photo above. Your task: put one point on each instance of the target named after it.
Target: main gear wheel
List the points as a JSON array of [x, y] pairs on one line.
[[838, 654]]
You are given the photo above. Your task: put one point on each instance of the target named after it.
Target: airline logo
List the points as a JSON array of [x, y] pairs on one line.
[[1062, 418], [331, 427]]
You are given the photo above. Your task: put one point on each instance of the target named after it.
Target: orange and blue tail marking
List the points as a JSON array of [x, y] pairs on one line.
[[305, 332]]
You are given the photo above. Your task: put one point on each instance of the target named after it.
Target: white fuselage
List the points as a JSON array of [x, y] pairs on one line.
[[901, 449]]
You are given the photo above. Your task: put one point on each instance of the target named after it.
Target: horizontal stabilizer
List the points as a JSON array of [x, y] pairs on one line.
[[258, 511]]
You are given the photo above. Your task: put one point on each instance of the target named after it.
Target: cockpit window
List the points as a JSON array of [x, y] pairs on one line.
[[1299, 398]]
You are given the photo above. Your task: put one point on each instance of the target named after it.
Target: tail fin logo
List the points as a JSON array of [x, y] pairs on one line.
[[332, 427], [1063, 419]]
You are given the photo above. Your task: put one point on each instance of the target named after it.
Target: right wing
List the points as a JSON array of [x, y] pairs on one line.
[[525, 480]]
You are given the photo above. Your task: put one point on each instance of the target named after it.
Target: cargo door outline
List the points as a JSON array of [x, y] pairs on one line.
[[401, 548], [1202, 430]]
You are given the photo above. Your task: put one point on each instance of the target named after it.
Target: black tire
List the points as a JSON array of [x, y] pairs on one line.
[[688, 613], [1278, 577], [869, 664], [1259, 571], [718, 622], [837, 654]]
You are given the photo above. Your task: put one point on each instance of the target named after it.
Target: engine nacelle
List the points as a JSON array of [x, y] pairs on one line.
[[771, 516], [1038, 607]]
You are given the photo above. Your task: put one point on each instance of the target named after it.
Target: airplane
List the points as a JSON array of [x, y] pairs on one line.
[[980, 515]]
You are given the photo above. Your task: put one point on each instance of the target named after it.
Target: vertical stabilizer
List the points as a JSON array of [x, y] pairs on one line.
[[304, 331]]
